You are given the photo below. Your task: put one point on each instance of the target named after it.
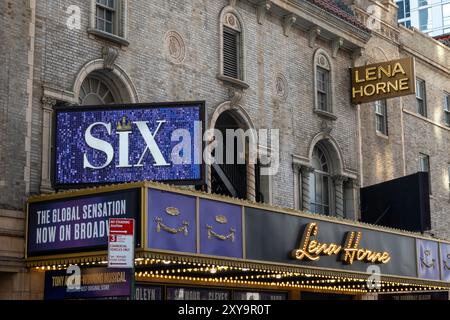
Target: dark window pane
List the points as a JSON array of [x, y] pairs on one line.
[[401, 10], [100, 25], [108, 27], [109, 16]]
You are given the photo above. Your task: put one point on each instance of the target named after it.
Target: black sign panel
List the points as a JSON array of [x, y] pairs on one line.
[[146, 292], [190, 293], [259, 295], [79, 223], [272, 236]]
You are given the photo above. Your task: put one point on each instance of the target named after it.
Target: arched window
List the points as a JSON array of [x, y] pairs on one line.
[[95, 91], [320, 182], [323, 82], [229, 178], [232, 42]]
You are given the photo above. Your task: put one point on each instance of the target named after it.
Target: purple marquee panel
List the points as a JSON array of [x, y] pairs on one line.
[[220, 229], [445, 261], [427, 259], [171, 221]]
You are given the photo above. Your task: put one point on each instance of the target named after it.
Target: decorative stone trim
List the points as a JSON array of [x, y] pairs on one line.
[[326, 127], [281, 87], [288, 22], [335, 45], [175, 47], [109, 57], [233, 82], [235, 95], [339, 194], [313, 33], [357, 53], [48, 103], [108, 36], [305, 172], [262, 8], [325, 114]]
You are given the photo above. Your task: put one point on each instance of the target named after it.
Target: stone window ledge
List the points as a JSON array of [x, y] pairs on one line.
[[108, 36], [382, 135], [325, 114], [234, 82]]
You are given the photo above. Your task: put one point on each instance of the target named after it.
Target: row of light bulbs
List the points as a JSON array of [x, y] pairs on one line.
[[213, 269], [293, 284]]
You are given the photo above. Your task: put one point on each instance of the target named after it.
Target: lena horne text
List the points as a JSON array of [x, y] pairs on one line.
[[312, 249]]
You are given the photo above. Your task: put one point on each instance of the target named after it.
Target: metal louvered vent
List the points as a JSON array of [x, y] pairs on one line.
[[230, 53]]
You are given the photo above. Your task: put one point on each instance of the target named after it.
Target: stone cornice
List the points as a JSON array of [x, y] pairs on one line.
[[425, 59], [309, 15], [326, 20]]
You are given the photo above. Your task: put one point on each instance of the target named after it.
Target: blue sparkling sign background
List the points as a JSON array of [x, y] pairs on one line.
[[71, 146]]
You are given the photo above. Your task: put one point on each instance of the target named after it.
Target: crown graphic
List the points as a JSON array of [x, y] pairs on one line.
[[124, 125]]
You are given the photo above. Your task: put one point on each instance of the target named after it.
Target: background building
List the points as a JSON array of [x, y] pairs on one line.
[[429, 16]]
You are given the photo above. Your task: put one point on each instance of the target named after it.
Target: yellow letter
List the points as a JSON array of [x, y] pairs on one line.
[[357, 79], [371, 73], [403, 84], [398, 69]]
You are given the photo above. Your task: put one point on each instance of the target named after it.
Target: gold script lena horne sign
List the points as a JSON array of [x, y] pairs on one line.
[[383, 80], [311, 249]]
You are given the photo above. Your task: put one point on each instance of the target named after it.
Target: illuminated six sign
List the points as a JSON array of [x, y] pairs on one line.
[[124, 143]]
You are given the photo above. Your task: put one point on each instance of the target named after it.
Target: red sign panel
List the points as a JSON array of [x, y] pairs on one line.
[[121, 226]]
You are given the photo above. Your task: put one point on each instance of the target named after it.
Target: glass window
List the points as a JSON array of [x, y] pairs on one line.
[[449, 176], [421, 97], [423, 3], [95, 91], [381, 116], [425, 19], [446, 15], [424, 163], [401, 10], [404, 10], [447, 108], [424, 166], [320, 183], [323, 85], [105, 15]]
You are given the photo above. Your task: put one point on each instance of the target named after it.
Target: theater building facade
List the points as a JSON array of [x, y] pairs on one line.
[[125, 72]]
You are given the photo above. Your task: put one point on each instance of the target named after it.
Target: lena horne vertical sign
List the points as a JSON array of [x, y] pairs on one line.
[[383, 80]]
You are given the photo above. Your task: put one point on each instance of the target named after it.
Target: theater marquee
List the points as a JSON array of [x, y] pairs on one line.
[[97, 145], [383, 80]]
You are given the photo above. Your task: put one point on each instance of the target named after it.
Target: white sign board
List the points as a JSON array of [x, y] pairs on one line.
[[121, 243]]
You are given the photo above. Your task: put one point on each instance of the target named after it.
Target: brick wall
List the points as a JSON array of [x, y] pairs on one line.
[[267, 52]]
